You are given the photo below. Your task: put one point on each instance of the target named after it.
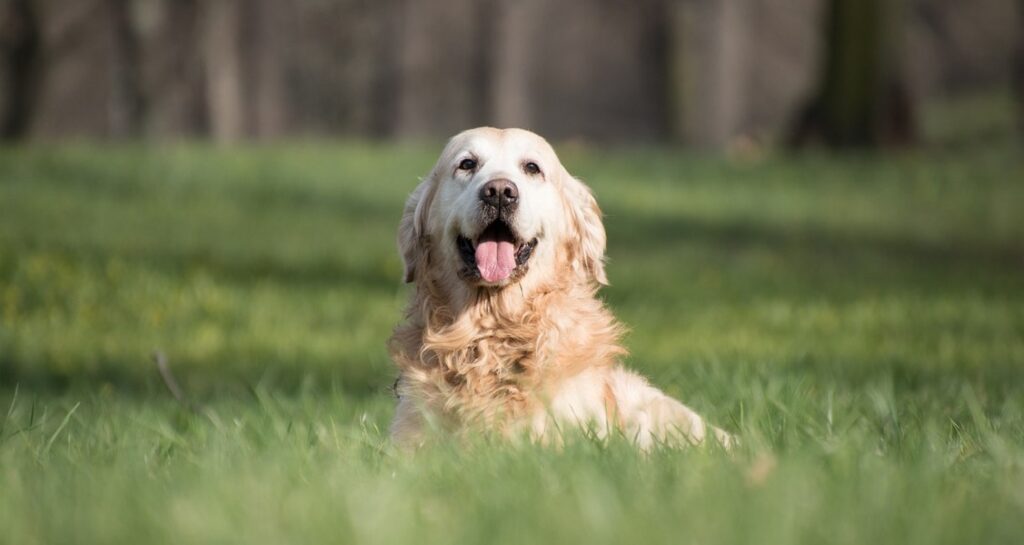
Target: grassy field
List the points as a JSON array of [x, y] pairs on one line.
[[858, 321]]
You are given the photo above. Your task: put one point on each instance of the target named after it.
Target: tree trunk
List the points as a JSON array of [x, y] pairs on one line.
[[1018, 68], [127, 105], [862, 98], [266, 50], [706, 60], [223, 63], [173, 72], [386, 53], [20, 46], [440, 89], [509, 92]]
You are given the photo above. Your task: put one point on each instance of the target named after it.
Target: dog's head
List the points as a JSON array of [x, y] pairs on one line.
[[498, 209]]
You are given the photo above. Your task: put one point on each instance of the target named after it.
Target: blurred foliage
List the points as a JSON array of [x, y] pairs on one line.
[[701, 74]]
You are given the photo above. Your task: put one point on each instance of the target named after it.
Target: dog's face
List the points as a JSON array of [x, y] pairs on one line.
[[498, 209]]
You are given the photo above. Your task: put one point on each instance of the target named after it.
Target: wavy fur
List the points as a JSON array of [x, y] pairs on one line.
[[518, 357]]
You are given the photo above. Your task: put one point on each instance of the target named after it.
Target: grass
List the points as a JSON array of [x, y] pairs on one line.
[[858, 321]]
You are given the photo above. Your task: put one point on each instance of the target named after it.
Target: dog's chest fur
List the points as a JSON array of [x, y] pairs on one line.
[[495, 362]]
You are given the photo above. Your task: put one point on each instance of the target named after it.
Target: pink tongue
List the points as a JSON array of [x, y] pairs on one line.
[[495, 259]]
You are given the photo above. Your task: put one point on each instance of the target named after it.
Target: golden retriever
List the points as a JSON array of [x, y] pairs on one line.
[[504, 331]]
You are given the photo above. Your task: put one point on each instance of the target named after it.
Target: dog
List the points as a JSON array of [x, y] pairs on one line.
[[503, 331]]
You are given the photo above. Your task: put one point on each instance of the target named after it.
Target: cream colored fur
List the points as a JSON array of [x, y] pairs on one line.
[[531, 354]]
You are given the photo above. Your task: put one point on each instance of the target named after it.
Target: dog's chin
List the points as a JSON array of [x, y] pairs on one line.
[[496, 257]]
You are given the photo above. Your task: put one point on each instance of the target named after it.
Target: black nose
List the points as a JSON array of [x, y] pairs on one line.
[[500, 193]]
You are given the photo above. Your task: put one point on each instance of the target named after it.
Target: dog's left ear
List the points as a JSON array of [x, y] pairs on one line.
[[586, 219], [412, 226]]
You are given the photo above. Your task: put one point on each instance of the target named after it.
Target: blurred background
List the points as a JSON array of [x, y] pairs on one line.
[[258, 233], [220, 182], [707, 74]]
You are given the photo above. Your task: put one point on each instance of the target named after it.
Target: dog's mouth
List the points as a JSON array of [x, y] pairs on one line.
[[497, 254]]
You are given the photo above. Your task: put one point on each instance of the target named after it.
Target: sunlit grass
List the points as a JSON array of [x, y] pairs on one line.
[[858, 321]]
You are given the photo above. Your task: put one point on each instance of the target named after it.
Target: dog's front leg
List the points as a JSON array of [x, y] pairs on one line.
[[648, 416]]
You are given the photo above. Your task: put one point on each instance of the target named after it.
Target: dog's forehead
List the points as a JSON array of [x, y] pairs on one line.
[[486, 141]]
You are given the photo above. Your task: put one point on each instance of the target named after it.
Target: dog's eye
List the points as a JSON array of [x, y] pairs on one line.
[[531, 168], [467, 164]]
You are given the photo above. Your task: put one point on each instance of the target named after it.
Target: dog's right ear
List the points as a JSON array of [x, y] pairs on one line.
[[413, 225]]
